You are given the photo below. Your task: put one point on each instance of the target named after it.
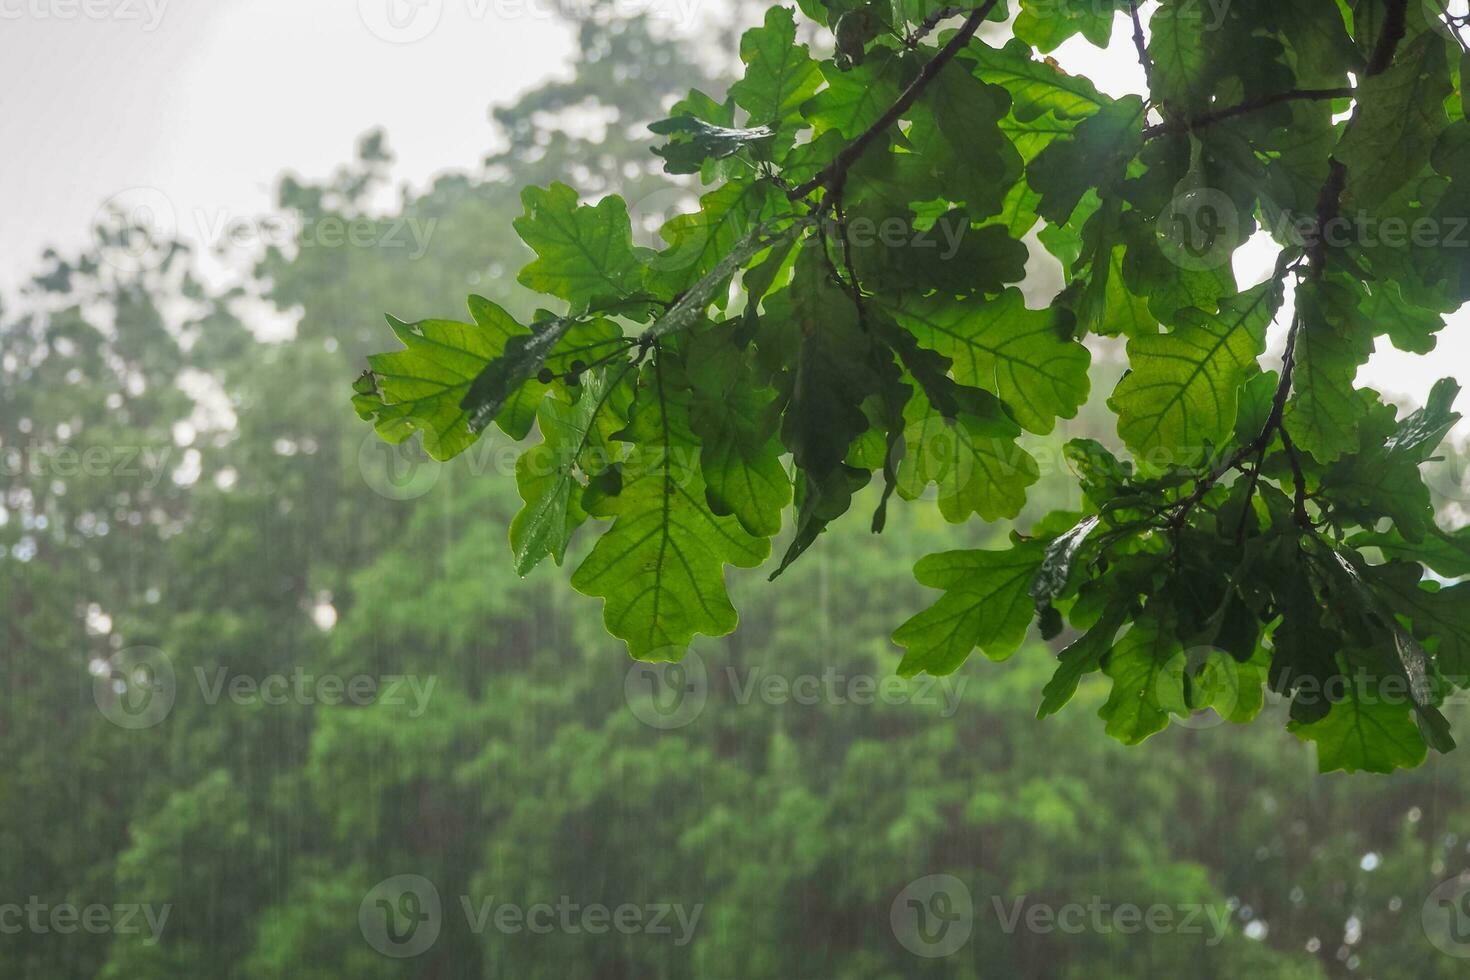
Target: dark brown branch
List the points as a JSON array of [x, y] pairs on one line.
[[1254, 105], [835, 172], [1329, 206], [1141, 45], [1329, 202], [1394, 26]]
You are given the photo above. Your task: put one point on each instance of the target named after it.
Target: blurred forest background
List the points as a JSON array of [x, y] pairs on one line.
[[236, 516]]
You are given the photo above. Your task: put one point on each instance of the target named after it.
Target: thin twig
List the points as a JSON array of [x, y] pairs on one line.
[[1453, 23], [1299, 502], [854, 286], [1210, 118], [835, 172], [929, 23]]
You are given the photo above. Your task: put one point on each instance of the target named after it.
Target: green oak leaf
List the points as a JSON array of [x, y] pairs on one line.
[[554, 345], [585, 253], [951, 256], [1061, 555], [1139, 666], [660, 567], [694, 142], [1324, 413], [854, 100], [956, 133], [972, 459], [1383, 478], [779, 73], [1371, 734], [736, 418], [419, 388], [1438, 613], [576, 438], [986, 604], [1182, 390], [1003, 347], [1084, 656], [422, 387], [834, 367], [1036, 87], [1095, 154], [1047, 23], [1183, 55], [1400, 114], [1446, 552], [697, 242], [1410, 328]]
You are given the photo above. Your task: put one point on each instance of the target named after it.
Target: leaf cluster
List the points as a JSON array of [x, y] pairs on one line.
[[843, 309]]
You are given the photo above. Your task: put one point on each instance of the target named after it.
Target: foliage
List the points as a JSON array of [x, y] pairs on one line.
[[801, 335], [528, 778]]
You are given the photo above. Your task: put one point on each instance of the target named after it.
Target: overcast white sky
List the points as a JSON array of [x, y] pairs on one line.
[[213, 101], [209, 101]]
